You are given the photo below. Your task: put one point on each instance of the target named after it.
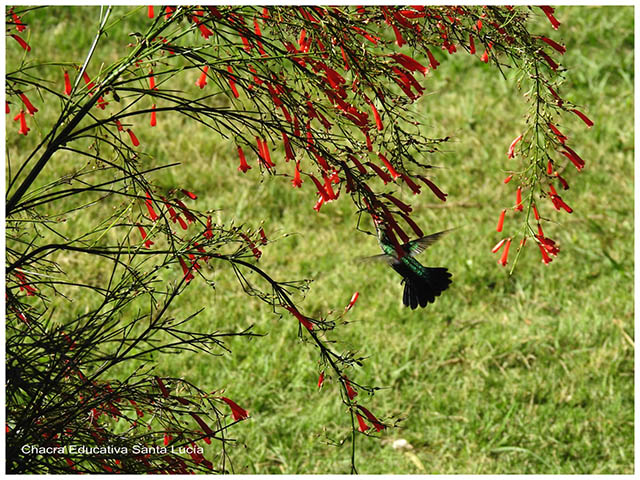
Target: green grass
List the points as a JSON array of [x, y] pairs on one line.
[[525, 374]]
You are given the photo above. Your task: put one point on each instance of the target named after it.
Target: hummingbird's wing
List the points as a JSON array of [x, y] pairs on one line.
[[383, 257], [419, 245]]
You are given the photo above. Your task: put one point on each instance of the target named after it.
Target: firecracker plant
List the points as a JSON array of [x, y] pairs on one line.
[[318, 97]]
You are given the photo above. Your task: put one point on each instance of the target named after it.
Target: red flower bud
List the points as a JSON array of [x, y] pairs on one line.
[[501, 220], [133, 137], [202, 80], [67, 83], [22, 43], [505, 254], [30, 108], [583, 117]]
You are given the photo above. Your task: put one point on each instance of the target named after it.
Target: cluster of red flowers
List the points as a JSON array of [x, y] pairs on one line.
[[557, 141]]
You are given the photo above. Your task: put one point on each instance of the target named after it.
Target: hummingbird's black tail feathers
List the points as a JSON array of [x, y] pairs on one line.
[[423, 289]]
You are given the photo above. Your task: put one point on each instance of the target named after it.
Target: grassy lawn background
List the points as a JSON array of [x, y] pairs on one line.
[[525, 374]]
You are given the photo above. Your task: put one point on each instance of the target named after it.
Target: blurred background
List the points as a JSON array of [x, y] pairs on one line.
[[531, 373]]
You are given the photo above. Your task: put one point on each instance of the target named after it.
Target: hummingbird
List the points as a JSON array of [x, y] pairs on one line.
[[421, 284]]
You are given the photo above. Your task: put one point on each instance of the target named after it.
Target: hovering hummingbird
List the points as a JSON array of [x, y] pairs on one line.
[[421, 284]]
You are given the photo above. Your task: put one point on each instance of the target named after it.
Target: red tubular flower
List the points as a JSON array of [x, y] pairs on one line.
[[535, 212], [23, 123], [321, 379], [583, 117], [288, 151], [152, 81], [163, 389], [549, 167], [22, 43], [511, 152], [498, 245], [329, 188], [244, 166], [501, 220], [508, 179], [358, 165], [67, 83], [548, 11], [442, 196], [485, 56], [147, 243], [376, 116], [553, 65], [202, 80], [354, 298], [149, 203], [119, 125], [557, 201], [323, 193], [561, 138], [264, 156], [185, 270], [204, 31], [545, 256], [381, 173], [232, 82], [409, 63], [88, 82], [401, 205], [563, 182], [362, 426], [133, 137], [238, 413], [263, 237], [30, 108], [350, 391], [372, 418], [167, 439], [301, 318], [505, 254], [318, 204], [7, 109], [150, 13], [412, 185], [153, 122], [472, 45], [208, 233], [297, 181], [574, 157], [189, 194], [368, 139], [414, 226], [387, 164], [556, 46], [185, 211], [432, 60], [182, 223], [518, 206], [202, 424], [556, 96]]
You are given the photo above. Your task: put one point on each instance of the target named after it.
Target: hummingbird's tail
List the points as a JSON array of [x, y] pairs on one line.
[[424, 288]]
